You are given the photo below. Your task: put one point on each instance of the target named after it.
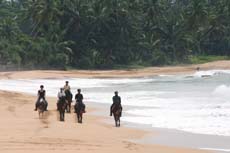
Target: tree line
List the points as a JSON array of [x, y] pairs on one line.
[[98, 34]]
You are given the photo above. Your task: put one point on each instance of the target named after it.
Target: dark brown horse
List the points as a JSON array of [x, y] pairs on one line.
[[116, 111], [79, 110], [61, 108], [69, 97]]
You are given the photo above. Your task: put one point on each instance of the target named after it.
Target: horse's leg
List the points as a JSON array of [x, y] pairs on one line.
[[80, 117], [60, 115], [115, 119], [69, 107], [119, 123], [63, 113], [77, 117], [41, 114], [66, 108]]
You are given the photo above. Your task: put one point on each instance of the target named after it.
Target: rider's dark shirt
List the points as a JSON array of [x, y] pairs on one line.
[[41, 94], [116, 100], [79, 97]]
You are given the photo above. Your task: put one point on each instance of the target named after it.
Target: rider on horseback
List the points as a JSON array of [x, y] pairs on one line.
[[116, 102], [41, 95], [66, 86], [67, 90], [79, 98], [61, 94]]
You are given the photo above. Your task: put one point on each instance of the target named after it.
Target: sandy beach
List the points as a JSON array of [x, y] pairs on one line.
[[149, 71], [22, 131]]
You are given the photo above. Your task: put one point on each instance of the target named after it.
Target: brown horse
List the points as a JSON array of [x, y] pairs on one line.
[[79, 110], [68, 97], [116, 111], [41, 107], [62, 104]]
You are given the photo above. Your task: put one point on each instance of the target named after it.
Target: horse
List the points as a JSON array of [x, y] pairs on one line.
[[41, 107], [68, 97], [61, 108], [116, 111], [79, 110]]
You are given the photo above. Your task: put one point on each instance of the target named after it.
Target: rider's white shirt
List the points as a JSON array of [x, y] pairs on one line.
[[61, 94]]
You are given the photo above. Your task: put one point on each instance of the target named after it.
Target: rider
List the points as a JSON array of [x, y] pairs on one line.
[[79, 99], [41, 94], [61, 94], [116, 102], [67, 89], [66, 86]]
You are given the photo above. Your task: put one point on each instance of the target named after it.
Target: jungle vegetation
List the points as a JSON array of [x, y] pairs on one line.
[[103, 34]]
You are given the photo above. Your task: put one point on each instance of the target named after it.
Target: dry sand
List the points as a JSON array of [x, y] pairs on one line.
[[22, 131], [150, 71]]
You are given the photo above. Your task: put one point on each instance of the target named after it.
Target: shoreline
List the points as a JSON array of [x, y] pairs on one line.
[[132, 73]]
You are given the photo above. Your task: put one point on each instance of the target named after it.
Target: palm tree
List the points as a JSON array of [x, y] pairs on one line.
[[44, 13]]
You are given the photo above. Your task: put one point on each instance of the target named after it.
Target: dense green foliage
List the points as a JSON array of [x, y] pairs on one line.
[[108, 33]]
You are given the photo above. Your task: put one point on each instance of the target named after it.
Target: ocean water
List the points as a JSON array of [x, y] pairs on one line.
[[198, 103]]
